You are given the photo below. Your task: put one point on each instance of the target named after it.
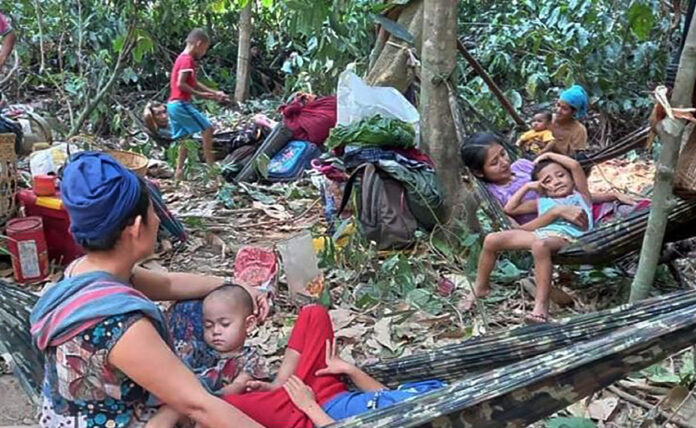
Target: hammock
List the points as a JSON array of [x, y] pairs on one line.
[[524, 392], [515, 376], [609, 242]]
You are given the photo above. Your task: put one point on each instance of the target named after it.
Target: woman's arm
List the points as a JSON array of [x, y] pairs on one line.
[[185, 286], [572, 214], [146, 359], [514, 205], [173, 286]]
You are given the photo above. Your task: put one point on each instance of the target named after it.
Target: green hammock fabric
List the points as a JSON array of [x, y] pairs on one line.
[[495, 379]]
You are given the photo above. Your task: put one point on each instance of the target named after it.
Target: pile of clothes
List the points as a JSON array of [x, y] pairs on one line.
[[398, 190], [307, 120]]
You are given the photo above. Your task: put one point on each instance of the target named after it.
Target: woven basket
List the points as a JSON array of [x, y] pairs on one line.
[[133, 161], [8, 177], [685, 178]]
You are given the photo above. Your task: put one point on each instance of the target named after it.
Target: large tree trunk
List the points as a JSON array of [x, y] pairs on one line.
[[241, 90], [438, 135], [670, 131], [389, 61]]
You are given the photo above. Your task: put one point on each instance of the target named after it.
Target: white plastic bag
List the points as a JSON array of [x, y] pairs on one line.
[[356, 101], [49, 161]]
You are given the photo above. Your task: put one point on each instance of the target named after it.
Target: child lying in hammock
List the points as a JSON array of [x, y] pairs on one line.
[[561, 182], [308, 390]]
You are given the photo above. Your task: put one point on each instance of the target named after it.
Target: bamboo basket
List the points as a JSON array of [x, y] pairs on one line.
[[8, 177], [685, 178], [133, 161]]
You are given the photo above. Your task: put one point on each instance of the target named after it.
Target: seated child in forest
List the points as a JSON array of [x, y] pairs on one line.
[[536, 139], [560, 181], [228, 315]]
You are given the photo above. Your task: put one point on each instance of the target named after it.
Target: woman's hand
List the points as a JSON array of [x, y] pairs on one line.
[[624, 198], [533, 186], [335, 365], [575, 215], [262, 303], [300, 394]]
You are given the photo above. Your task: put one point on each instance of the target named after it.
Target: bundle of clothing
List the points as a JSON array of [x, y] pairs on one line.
[[398, 190]]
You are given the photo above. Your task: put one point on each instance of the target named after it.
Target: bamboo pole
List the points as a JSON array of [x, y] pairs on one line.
[[670, 132], [478, 68]]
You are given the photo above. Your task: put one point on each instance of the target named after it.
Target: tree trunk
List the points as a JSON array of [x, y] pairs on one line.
[[241, 90], [438, 135], [670, 131], [389, 62]]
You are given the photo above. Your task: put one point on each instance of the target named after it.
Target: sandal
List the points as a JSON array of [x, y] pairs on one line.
[[532, 319]]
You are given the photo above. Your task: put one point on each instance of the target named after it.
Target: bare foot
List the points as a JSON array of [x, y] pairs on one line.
[[481, 291], [533, 318]]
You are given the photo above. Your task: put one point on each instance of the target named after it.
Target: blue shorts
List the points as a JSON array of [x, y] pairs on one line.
[[185, 119]]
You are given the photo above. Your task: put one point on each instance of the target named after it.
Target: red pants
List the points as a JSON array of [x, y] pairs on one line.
[[273, 409]]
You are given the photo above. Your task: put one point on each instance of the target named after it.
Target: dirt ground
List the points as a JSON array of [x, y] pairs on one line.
[[16, 410]]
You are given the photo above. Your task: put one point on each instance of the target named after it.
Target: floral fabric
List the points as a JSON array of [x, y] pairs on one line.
[[80, 382]]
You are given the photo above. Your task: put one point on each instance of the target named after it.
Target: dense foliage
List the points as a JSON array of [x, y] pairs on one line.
[[617, 49]]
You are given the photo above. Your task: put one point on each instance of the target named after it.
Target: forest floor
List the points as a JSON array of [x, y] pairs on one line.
[[220, 218]]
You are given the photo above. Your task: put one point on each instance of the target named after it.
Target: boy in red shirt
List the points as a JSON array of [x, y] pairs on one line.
[[184, 118]]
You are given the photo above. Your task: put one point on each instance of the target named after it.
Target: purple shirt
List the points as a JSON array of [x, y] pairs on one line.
[[521, 174]]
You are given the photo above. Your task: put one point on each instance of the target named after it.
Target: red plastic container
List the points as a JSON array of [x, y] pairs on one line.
[[45, 185], [62, 248], [28, 248]]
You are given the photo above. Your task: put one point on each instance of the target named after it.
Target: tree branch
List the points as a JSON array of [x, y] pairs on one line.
[[128, 44]]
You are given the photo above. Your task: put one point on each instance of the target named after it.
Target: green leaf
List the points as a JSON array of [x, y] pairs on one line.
[[394, 28], [506, 272], [641, 19], [262, 165], [659, 374], [570, 423]]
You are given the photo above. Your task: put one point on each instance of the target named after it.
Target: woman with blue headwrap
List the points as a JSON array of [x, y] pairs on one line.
[[569, 134], [104, 341]]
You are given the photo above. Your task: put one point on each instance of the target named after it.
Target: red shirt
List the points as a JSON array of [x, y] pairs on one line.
[[184, 62]]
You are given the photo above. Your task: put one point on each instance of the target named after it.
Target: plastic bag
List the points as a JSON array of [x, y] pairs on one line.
[[356, 101], [49, 161]]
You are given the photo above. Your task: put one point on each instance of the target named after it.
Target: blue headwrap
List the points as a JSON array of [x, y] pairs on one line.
[[99, 193], [576, 97]]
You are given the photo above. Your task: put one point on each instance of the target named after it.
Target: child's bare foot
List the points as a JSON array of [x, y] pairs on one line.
[[481, 291], [533, 318]]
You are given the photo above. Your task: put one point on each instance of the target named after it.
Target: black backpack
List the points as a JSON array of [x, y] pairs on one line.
[[382, 212]]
